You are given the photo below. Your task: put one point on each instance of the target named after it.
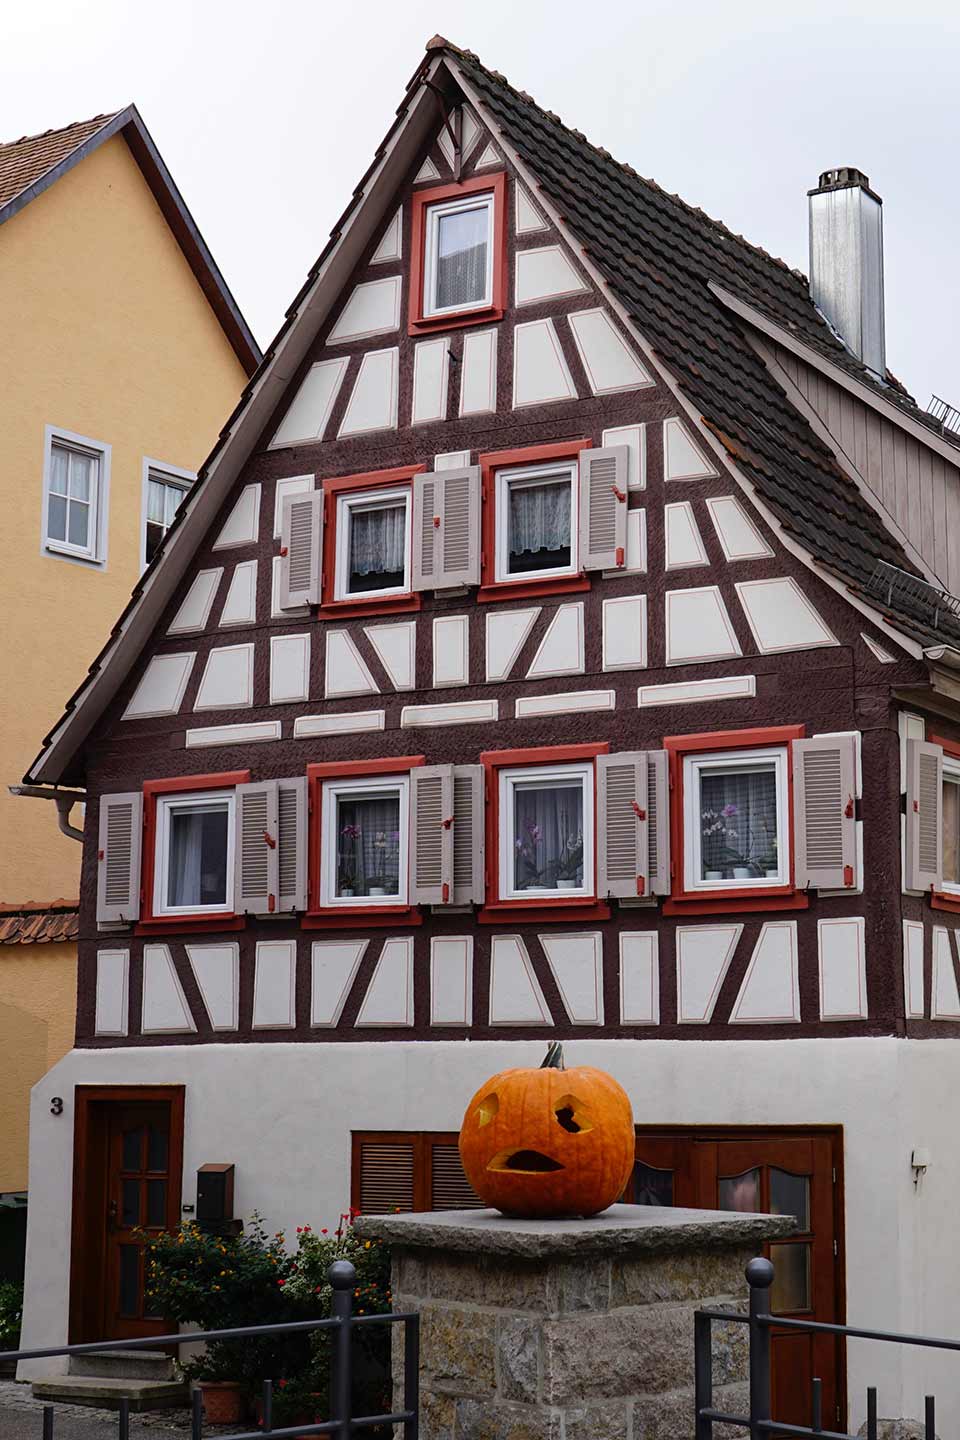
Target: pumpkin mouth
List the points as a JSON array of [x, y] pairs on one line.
[[524, 1162]]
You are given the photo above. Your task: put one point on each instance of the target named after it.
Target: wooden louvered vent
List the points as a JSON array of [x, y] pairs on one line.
[[119, 847], [429, 836], [602, 522], [254, 852], [301, 546], [456, 526], [621, 823], [287, 800], [427, 509], [653, 828], [449, 1187], [386, 1177], [464, 857], [928, 825], [823, 808]]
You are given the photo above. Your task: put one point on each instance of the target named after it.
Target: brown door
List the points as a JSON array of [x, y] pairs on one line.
[[782, 1173], [127, 1188]]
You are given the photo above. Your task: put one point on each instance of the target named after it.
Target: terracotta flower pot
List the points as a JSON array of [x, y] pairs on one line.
[[222, 1401]]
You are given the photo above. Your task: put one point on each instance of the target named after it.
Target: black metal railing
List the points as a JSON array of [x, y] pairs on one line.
[[760, 1422], [343, 1278]]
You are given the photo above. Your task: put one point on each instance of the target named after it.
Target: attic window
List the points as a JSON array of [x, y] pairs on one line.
[[458, 257]]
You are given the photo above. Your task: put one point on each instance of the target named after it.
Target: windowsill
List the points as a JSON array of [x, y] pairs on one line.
[[356, 917], [585, 907], [456, 320], [943, 900], [375, 605], [200, 924], [63, 552], [726, 902], [520, 589]]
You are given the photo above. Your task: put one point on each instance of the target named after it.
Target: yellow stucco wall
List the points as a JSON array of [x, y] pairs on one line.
[[38, 986], [106, 333]]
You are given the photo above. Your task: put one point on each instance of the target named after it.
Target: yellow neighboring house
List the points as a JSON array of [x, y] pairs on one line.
[[123, 354]]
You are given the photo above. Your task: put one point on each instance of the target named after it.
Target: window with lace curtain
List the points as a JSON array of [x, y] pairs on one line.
[[163, 497], [373, 543], [536, 521], [458, 255], [735, 819], [546, 832], [950, 824], [194, 854]]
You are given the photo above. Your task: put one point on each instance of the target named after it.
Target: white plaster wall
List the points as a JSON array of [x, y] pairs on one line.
[[283, 1115]]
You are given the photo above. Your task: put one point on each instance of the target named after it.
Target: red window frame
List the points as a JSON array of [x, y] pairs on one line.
[[741, 897], [495, 911], [490, 587], [420, 324], [942, 899], [349, 917], [356, 605], [151, 924]]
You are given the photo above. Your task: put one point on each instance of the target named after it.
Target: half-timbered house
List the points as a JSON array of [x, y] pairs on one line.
[[557, 643]]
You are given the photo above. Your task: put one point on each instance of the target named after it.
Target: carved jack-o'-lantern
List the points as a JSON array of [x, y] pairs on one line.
[[549, 1141]]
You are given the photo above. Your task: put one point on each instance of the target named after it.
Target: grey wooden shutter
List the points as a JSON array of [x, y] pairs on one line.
[[603, 508], [118, 858], [824, 812], [469, 834], [446, 529], [431, 834], [923, 869], [658, 821], [292, 844], [301, 550], [256, 858], [387, 1171], [622, 825]]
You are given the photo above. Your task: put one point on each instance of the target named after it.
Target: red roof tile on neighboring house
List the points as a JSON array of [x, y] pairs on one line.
[[24, 161], [36, 924]]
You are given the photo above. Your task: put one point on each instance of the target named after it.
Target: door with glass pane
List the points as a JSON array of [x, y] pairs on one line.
[[127, 1189], [790, 1173]]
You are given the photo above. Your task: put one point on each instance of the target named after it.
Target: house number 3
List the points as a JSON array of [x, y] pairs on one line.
[[56, 1105]]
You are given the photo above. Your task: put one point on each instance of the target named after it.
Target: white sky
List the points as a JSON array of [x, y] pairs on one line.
[[267, 114]]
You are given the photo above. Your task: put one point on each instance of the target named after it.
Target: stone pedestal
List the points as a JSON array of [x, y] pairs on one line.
[[570, 1329]]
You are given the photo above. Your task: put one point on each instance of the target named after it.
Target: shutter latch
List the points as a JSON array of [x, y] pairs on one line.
[[271, 903], [848, 812], [916, 807], [641, 885], [284, 551], [100, 854], [848, 875], [638, 810], [436, 522], [269, 840], [447, 823], [620, 557], [620, 494], [445, 892]]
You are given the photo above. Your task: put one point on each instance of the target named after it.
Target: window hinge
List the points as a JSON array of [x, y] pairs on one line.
[[834, 1174], [836, 1249]]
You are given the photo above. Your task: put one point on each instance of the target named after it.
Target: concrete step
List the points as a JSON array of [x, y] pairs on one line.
[[125, 1364], [106, 1392]]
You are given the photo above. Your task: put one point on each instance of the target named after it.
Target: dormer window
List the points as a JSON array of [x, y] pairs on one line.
[[458, 255]]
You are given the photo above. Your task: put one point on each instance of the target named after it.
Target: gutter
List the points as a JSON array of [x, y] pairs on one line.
[[64, 801]]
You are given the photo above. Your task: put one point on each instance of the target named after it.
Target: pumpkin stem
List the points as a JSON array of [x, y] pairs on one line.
[[553, 1060]]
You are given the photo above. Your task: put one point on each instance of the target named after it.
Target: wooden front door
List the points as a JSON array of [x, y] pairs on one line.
[[790, 1172], [127, 1179]]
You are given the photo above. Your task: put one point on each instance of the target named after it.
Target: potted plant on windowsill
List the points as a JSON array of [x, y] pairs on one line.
[[347, 860], [382, 844], [570, 864]]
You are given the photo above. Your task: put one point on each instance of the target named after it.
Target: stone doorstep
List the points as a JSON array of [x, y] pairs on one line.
[[106, 1392], [124, 1364]]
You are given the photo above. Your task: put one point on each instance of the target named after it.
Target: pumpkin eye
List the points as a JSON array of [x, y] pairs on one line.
[[487, 1109], [571, 1115]]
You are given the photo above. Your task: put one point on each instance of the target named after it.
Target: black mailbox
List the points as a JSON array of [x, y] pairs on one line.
[[214, 1194]]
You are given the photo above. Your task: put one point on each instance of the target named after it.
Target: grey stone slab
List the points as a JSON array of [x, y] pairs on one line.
[[106, 1392], [621, 1230]]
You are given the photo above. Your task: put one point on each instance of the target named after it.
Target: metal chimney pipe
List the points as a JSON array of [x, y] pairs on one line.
[[846, 261]]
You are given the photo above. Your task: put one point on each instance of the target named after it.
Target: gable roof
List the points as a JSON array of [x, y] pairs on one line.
[[659, 256], [33, 163]]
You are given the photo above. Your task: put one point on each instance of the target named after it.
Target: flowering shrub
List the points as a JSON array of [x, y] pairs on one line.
[[11, 1313]]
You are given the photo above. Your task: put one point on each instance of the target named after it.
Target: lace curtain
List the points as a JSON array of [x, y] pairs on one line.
[[738, 821], [377, 540], [548, 836], [539, 517], [197, 871], [462, 258], [368, 845]]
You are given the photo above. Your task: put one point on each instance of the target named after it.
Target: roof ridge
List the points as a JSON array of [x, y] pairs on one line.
[[103, 119]]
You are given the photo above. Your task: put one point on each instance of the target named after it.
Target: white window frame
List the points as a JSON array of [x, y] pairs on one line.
[[951, 776], [482, 201], [535, 475], [362, 500], [166, 474], [95, 553], [693, 767], [542, 775], [366, 785], [166, 805]]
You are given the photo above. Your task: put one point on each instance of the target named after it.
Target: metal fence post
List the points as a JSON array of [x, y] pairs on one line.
[[343, 1277], [411, 1376], [703, 1375], [759, 1274]]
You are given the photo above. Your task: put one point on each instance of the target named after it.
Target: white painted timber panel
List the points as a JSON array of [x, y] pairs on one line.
[[636, 557], [333, 969], [507, 631], [227, 679], [240, 606], [877, 651], [451, 460], [216, 969], [944, 999], [292, 485], [635, 439], [560, 652], [540, 372], [913, 986], [843, 973], [195, 610], [431, 367], [165, 1008], [610, 364], [692, 692], [451, 980], [391, 246], [529, 218], [345, 670], [251, 732], [682, 458], [625, 632], [704, 953], [781, 617], [113, 985], [344, 723], [576, 962], [313, 404], [275, 985], [478, 381], [373, 309], [289, 668], [451, 650], [684, 545], [457, 712], [427, 171], [639, 977], [242, 525], [770, 992], [739, 537], [515, 994], [698, 626], [389, 997], [161, 688], [373, 403], [396, 647], [570, 703], [489, 157], [544, 274]]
